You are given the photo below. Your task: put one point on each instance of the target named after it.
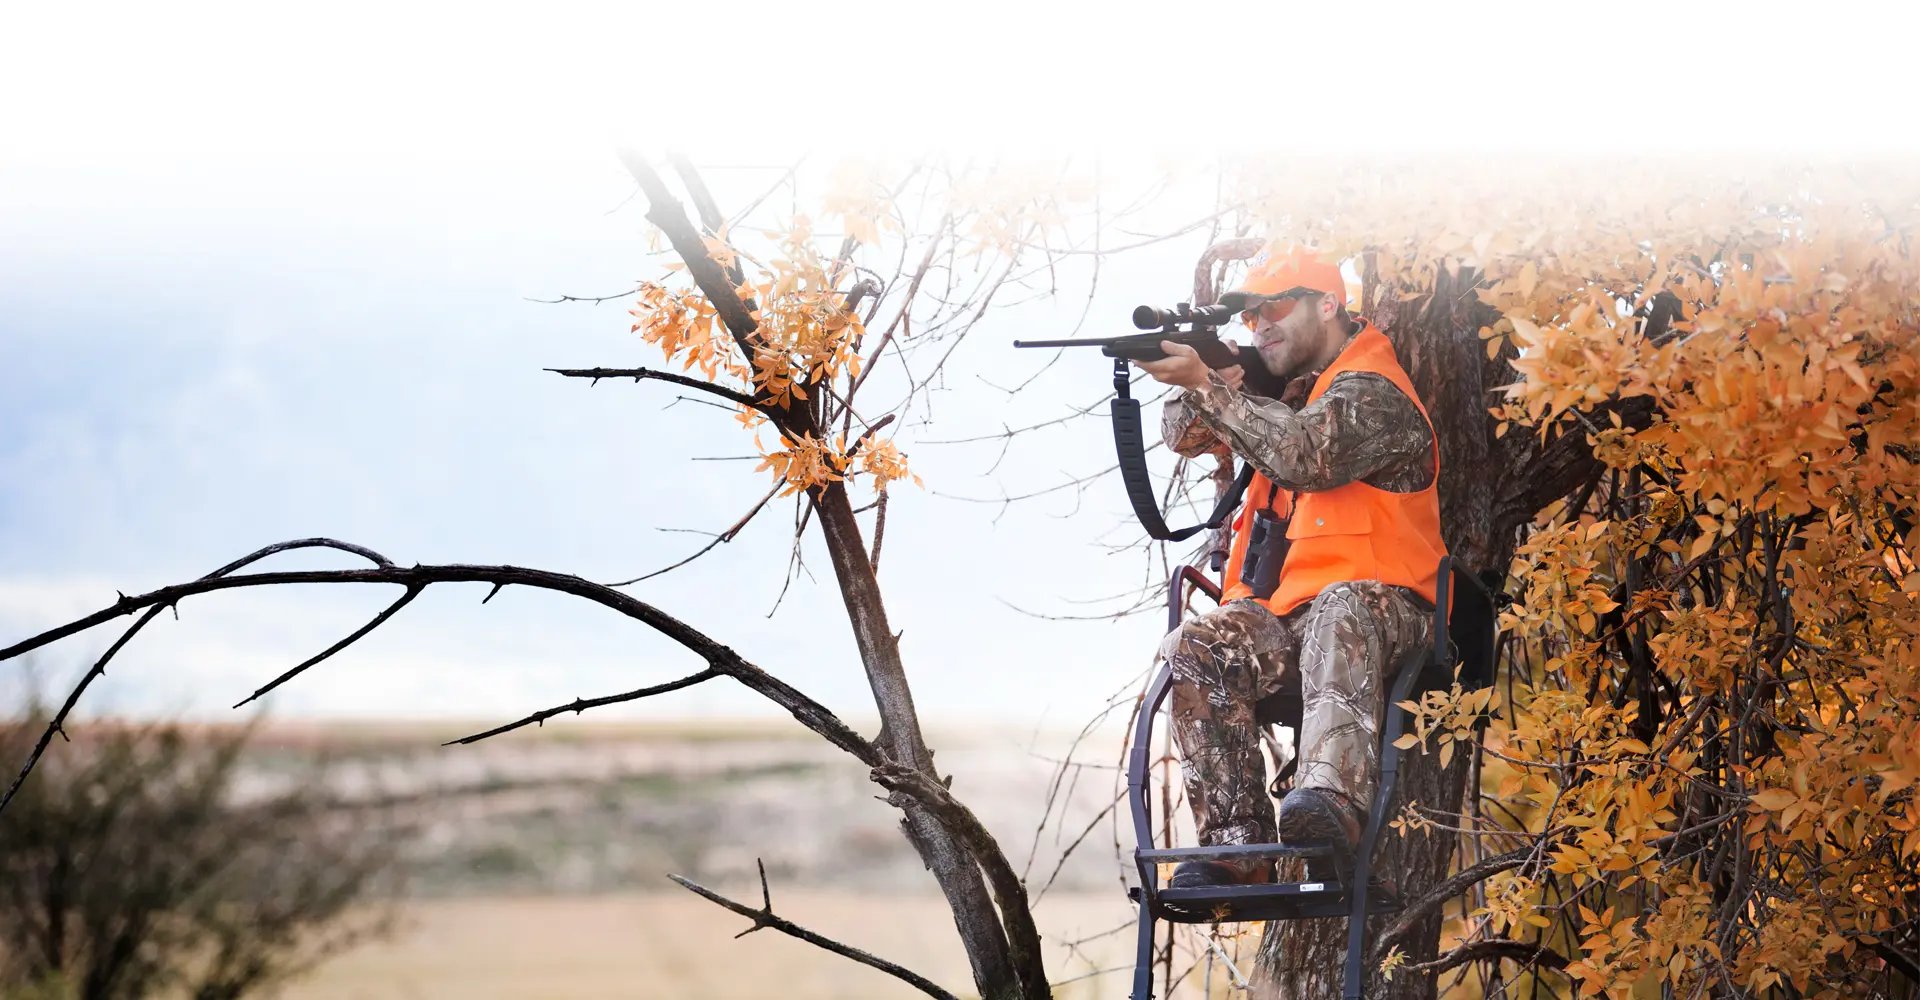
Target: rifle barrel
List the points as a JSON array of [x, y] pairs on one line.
[[1084, 342]]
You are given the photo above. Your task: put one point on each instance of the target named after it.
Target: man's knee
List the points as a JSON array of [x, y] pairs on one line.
[[1369, 619], [1343, 604], [1208, 635]]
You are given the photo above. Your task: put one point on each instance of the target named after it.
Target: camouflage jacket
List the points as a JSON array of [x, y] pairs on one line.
[[1362, 428]]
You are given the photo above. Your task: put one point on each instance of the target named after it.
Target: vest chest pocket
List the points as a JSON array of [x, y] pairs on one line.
[[1314, 518]]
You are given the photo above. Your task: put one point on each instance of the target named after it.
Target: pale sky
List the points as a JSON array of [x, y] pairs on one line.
[[264, 275]]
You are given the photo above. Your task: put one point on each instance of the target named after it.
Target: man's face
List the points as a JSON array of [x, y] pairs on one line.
[[1290, 343]]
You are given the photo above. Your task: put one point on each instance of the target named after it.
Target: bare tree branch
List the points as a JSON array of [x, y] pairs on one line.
[[719, 658], [906, 306], [99, 668], [703, 204], [665, 211], [638, 374], [392, 609], [579, 705], [1204, 294], [589, 299], [1023, 938], [725, 536], [1460, 882], [764, 917], [785, 178], [1493, 949]]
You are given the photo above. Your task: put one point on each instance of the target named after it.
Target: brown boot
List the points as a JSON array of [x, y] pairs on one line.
[[1318, 816], [1200, 874]]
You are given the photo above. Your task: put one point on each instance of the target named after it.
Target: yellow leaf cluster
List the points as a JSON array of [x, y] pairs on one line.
[[806, 463], [1714, 728], [883, 461], [806, 337], [806, 334], [684, 323], [857, 195]]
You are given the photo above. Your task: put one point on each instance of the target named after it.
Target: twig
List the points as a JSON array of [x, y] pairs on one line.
[[725, 536], [589, 299], [579, 705], [764, 917], [1089, 975], [392, 609], [879, 531], [637, 374]]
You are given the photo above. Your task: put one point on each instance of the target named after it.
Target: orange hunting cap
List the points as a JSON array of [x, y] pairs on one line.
[[1278, 269]]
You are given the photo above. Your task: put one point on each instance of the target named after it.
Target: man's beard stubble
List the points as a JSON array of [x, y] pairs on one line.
[[1294, 340]]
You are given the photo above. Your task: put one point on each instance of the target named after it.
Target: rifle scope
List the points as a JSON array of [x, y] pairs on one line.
[[1151, 318]]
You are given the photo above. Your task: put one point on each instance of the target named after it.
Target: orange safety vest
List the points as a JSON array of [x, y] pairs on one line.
[[1351, 532]]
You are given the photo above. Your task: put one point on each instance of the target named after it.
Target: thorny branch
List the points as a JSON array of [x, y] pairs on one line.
[[765, 917], [719, 658], [579, 705], [637, 374]]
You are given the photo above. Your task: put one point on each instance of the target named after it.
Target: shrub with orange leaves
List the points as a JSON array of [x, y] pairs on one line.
[[1708, 723]]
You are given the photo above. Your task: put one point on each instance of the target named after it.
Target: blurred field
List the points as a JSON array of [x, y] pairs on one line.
[[541, 867], [676, 945]]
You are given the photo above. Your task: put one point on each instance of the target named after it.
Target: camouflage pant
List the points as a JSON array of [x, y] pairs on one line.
[[1335, 649]]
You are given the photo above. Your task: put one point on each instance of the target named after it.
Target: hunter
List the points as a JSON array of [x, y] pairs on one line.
[[1348, 472]]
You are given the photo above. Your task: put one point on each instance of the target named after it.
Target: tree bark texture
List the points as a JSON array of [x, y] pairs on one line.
[[1488, 487], [952, 864]]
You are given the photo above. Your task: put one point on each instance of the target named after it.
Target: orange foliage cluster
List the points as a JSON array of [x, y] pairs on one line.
[[1712, 728], [806, 338]]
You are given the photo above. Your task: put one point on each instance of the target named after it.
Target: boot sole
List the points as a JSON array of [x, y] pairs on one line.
[[1312, 825]]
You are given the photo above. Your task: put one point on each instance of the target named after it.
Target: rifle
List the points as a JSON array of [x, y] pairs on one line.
[[1196, 328], [1183, 324]]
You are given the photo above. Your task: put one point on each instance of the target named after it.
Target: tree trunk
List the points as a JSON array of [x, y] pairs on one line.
[[995, 973], [900, 737], [1437, 339]]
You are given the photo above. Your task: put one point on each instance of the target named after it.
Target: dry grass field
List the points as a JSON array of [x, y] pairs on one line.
[[676, 945], [540, 872]]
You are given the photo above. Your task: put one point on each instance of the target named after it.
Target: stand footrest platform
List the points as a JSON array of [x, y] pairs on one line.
[[1270, 901], [1234, 852]]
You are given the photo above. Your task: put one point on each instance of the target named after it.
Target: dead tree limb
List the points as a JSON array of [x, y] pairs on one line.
[[1494, 948], [718, 657], [637, 374], [1008, 890], [764, 917], [1459, 882], [579, 705]]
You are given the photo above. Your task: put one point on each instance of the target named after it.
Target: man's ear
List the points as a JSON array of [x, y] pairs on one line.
[[1329, 307]]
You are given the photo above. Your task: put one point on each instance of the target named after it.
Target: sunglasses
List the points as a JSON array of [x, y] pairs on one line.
[[1276, 307]]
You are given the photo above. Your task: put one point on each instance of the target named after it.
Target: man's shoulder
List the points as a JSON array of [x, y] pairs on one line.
[[1371, 387]]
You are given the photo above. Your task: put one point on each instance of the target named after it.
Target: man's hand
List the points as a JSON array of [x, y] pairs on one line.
[[1182, 367]]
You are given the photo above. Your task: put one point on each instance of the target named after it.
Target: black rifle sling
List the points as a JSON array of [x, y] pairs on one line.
[[1130, 445]]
